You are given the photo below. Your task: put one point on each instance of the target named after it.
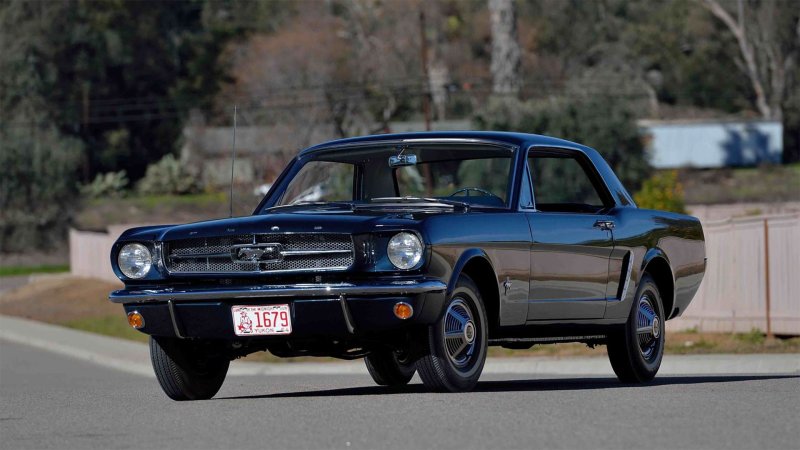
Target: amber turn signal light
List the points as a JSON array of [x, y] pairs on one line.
[[403, 310], [135, 320]]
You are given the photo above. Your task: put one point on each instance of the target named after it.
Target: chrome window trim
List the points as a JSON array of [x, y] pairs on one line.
[[581, 153], [313, 152], [389, 142]]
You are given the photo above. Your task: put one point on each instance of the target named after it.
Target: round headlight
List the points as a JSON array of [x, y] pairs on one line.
[[404, 250], [134, 260]]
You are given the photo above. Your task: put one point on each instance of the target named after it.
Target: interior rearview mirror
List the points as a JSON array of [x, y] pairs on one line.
[[402, 160]]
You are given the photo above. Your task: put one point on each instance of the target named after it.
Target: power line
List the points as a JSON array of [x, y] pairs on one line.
[[291, 90], [175, 113], [302, 97]]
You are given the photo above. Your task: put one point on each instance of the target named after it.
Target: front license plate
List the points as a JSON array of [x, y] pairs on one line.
[[261, 320]]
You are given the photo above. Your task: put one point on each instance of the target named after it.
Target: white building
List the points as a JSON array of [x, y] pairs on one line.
[[712, 143]]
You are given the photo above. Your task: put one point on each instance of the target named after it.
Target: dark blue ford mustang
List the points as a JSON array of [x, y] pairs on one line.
[[415, 252]]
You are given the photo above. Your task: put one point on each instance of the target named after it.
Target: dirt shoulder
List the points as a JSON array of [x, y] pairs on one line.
[[60, 299], [82, 303], [73, 302]]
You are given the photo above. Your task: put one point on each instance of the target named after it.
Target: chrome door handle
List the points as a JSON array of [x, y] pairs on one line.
[[604, 225]]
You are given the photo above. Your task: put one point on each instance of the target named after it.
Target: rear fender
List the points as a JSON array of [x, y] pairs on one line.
[[665, 281]]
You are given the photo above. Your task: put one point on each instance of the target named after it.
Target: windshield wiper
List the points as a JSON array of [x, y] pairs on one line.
[[429, 201], [347, 205]]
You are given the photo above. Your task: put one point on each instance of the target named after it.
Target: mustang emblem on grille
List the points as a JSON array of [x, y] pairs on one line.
[[257, 253]]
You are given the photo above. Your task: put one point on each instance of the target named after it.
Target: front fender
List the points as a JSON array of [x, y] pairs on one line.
[[466, 256]]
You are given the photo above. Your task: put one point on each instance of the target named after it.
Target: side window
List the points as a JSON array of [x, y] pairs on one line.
[[562, 184], [321, 181]]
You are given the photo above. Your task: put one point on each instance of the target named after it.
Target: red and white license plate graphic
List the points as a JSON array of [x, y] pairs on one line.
[[260, 320]]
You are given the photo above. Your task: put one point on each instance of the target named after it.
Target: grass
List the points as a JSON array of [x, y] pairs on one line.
[[752, 342], [97, 214], [754, 337], [155, 201], [771, 183], [29, 270], [110, 325]]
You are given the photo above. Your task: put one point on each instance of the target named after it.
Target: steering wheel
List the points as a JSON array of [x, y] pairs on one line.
[[482, 191]]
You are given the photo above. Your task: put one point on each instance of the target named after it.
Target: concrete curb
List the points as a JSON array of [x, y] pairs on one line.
[[120, 354], [134, 357]]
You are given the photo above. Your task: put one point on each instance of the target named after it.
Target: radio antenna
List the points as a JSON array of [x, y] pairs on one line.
[[233, 157]]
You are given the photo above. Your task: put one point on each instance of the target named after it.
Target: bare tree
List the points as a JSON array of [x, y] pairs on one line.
[[768, 46], [505, 47]]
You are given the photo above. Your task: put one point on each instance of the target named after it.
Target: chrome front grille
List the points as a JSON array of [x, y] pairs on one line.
[[257, 253]]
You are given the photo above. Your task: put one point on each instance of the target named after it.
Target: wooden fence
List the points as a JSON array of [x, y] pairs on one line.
[[90, 252], [752, 278]]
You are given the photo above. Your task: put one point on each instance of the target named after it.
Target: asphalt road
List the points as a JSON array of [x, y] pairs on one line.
[[53, 401]]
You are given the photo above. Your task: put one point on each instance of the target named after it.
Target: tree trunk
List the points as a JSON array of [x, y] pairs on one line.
[[767, 109], [505, 48]]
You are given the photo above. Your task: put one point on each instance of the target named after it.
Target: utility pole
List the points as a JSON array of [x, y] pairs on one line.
[[426, 100], [85, 131]]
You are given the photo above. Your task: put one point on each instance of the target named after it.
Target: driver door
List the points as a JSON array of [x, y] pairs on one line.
[[571, 238]]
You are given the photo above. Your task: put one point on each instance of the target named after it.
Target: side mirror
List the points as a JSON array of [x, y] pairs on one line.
[[402, 160]]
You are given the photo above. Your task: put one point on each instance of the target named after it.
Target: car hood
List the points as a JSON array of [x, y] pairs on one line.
[[287, 222]]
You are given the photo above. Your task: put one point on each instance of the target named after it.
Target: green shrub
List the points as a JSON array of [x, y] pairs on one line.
[[168, 176], [38, 185], [755, 336], [105, 185], [662, 191]]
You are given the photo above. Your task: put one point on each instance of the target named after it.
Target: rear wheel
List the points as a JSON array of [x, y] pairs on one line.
[[390, 368], [185, 371], [636, 350], [457, 343]]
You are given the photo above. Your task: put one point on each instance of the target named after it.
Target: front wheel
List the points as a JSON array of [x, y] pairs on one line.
[[457, 343], [185, 370], [636, 350], [390, 368]]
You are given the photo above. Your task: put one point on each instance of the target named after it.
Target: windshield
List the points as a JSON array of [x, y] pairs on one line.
[[476, 174]]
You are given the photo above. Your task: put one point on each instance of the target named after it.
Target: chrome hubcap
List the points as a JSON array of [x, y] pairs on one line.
[[460, 333], [469, 332], [648, 328]]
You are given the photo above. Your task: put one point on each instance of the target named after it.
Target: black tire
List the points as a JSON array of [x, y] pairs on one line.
[[441, 367], [184, 371], [636, 356], [389, 368]]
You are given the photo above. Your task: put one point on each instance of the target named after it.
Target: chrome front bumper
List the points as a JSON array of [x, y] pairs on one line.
[[399, 288]]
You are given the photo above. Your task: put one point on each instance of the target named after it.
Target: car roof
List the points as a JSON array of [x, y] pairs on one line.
[[519, 139]]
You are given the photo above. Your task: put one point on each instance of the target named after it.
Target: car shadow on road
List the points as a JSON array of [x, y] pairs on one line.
[[549, 384]]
